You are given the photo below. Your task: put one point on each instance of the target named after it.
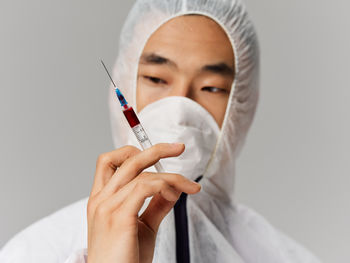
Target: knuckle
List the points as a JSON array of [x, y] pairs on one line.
[[172, 177], [103, 158], [142, 185], [128, 152], [130, 148], [139, 185], [143, 175], [90, 207], [156, 151], [160, 145], [179, 178], [101, 211], [162, 184], [135, 163], [132, 164]]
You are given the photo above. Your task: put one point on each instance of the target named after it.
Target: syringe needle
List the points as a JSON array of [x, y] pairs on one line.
[[103, 64]]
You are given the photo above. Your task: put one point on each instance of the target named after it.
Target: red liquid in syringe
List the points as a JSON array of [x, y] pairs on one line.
[[130, 115]]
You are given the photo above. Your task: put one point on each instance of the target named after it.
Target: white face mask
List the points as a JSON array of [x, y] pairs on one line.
[[180, 119]]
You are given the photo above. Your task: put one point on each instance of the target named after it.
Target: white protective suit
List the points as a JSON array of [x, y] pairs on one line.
[[208, 227]]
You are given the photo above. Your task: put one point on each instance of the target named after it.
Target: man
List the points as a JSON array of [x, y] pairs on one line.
[[191, 70]]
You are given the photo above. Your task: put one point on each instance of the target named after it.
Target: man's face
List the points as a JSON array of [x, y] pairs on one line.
[[188, 56]]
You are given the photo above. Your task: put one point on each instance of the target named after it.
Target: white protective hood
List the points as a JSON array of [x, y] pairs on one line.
[[145, 18], [218, 229]]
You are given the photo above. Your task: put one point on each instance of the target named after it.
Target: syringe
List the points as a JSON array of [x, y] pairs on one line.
[[134, 122]]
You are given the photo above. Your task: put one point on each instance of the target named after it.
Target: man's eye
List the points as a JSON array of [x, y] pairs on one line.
[[155, 80], [213, 89]]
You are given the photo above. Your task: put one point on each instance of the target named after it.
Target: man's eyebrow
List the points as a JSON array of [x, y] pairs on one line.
[[219, 68], [153, 58]]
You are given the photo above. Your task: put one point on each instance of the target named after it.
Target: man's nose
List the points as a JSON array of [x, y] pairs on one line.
[[182, 88]]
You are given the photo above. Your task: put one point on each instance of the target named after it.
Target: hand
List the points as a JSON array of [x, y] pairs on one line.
[[115, 231]]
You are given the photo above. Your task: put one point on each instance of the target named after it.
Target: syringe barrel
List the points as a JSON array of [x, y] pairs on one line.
[[145, 143], [139, 132]]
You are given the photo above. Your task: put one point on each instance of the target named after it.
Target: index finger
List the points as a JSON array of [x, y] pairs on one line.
[[137, 163]]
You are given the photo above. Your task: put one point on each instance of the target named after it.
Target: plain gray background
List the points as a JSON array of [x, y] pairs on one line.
[[294, 169]]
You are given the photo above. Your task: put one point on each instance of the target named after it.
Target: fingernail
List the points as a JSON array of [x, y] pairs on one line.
[[198, 185], [176, 144]]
